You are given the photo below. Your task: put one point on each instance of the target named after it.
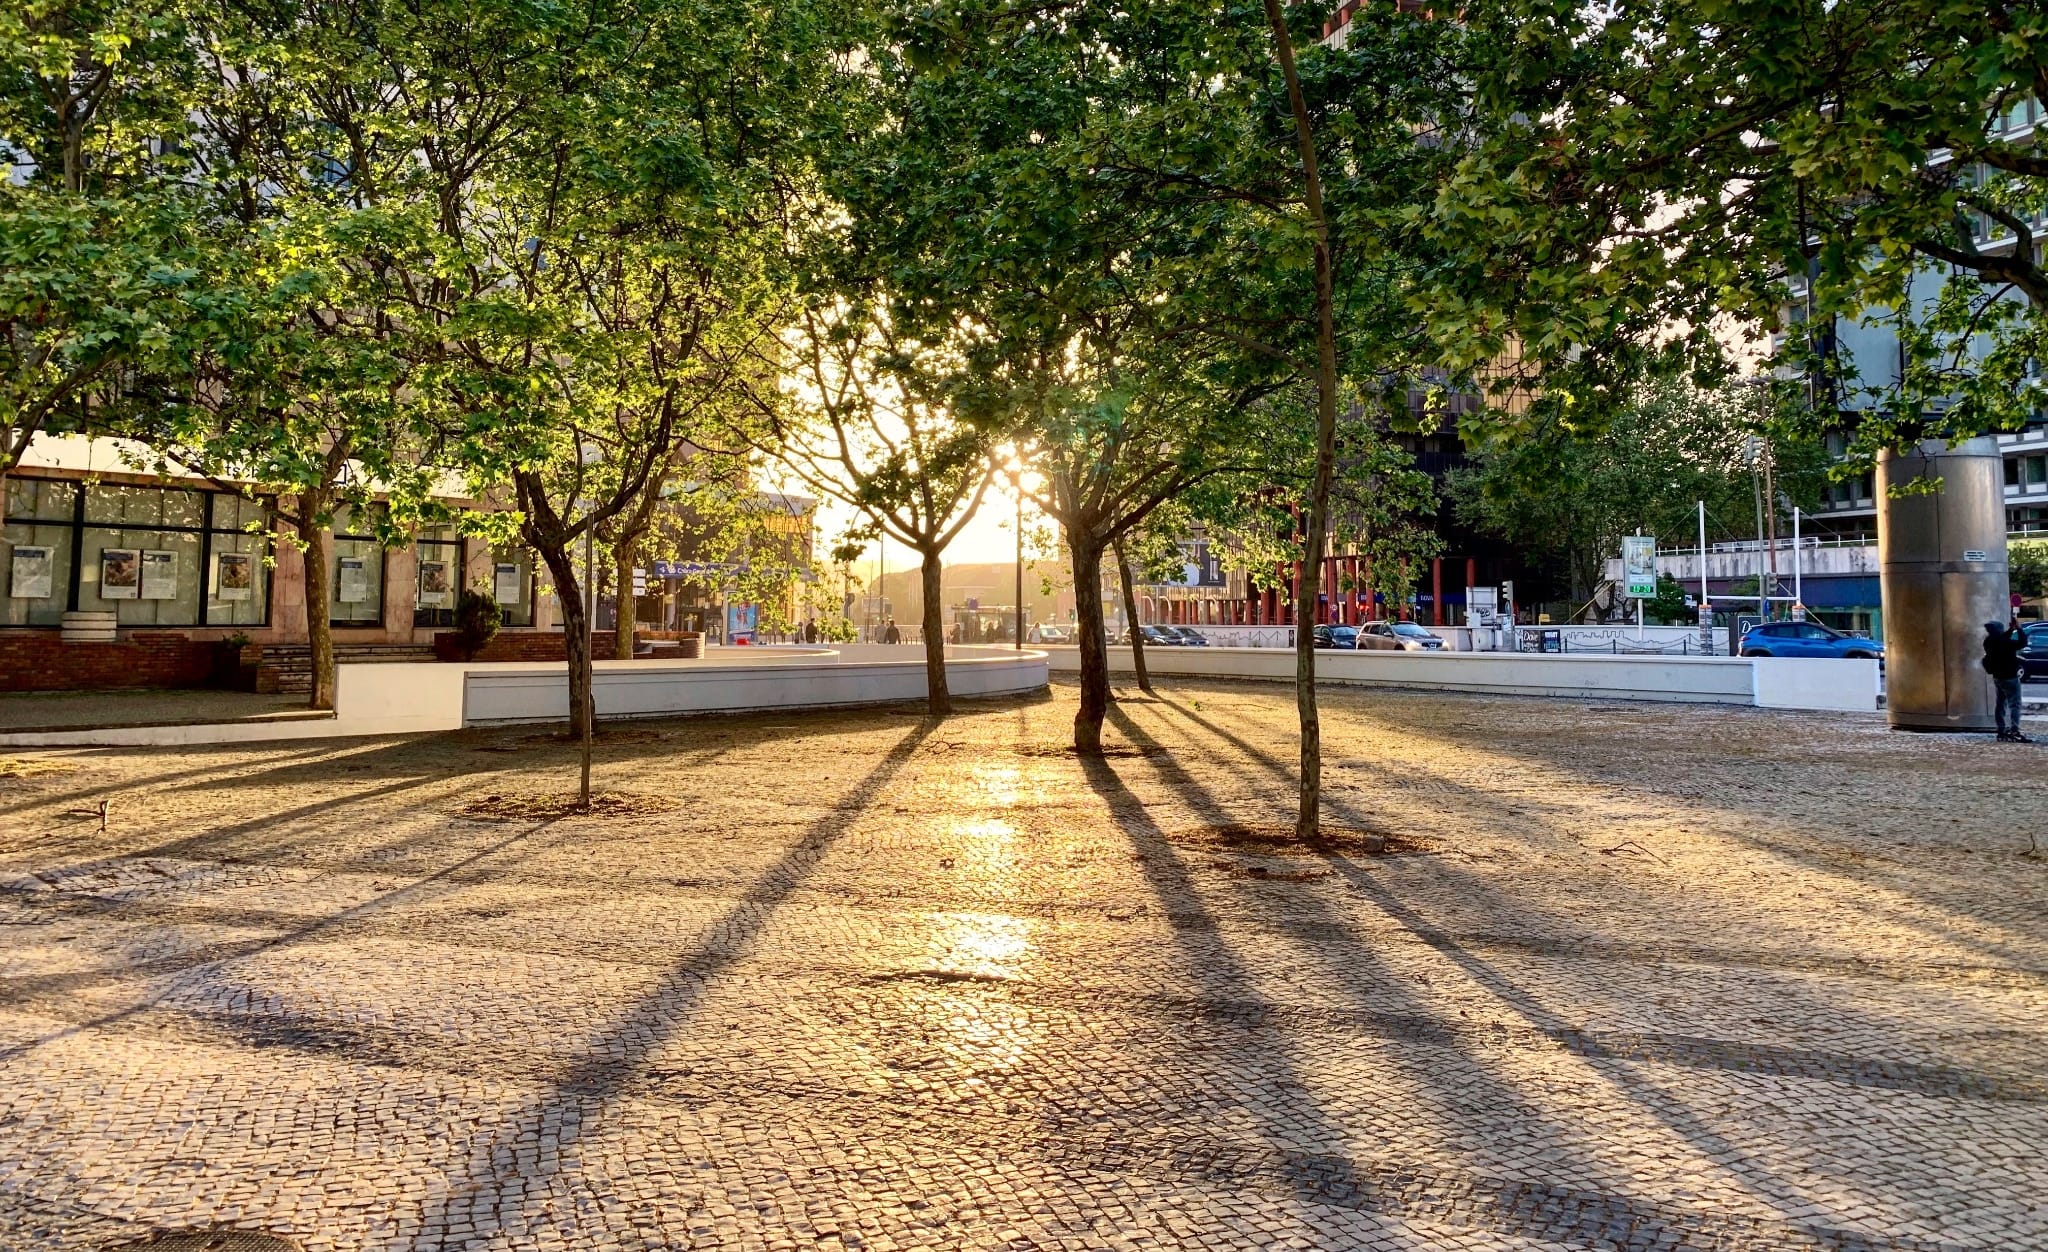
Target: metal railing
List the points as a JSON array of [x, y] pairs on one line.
[[1531, 640]]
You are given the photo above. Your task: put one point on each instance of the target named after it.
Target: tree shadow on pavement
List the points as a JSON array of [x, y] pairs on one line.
[[490, 1172]]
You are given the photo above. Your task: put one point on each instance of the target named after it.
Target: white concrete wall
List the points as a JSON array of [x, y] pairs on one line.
[[1815, 683], [368, 700], [1718, 680], [416, 699], [740, 679]]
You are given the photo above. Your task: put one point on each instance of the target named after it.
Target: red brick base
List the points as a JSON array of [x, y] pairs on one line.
[[39, 660], [523, 645]]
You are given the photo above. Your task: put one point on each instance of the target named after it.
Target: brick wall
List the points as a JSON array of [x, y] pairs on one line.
[[38, 660], [523, 645]]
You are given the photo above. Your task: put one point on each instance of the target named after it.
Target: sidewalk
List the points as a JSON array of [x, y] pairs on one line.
[[91, 710]]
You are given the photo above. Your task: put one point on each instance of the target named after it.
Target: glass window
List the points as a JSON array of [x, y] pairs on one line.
[[438, 578], [512, 584], [355, 573], [145, 506], [144, 577], [40, 500], [238, 580], [2012, 471], [39, 573], [152, 556], [2037, 470]]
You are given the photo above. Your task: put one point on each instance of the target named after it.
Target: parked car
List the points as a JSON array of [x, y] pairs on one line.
[[1188, 636], [1049, 634], [2034, 652], [1397, 637], [1336, 636], [1806, 639], [1155, 637]]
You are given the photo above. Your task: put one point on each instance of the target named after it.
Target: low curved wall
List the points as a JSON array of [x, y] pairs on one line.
[[733, 680], [1763, 682], [418, 699]]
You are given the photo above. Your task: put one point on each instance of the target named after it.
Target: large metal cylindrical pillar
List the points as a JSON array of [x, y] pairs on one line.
[[1941, 560]]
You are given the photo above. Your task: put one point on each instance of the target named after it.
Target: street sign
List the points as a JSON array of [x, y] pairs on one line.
[[1639, 566], [639, 582]]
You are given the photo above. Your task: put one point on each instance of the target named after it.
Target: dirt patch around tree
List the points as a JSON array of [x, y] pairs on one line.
[[552, 806], [1276, 840]]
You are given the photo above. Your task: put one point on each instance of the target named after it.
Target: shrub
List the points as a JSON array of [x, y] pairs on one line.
[[477, 618]]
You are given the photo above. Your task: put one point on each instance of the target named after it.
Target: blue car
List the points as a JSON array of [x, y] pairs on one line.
[[1807, 639]]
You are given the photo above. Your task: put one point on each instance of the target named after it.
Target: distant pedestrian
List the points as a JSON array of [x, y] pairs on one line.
[[2002, 645], [892, 635]]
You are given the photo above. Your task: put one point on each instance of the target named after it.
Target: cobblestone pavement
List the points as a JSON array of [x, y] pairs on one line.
[[1628, 977]]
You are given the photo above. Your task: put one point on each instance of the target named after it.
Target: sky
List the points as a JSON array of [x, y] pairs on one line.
[[990, 537]]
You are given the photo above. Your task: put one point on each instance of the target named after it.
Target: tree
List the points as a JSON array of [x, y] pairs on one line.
[[1844, 161], [1671, 605], [1565, 487], [2028, 563], [105, 256], [868, 421]]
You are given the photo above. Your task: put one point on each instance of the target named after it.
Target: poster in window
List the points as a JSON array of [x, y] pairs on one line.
[[120, 574], [30, 579], [352, 581], [234, 576], [506, 585], [433, 583], [159, 575]]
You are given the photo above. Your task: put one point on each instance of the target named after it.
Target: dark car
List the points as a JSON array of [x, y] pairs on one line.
[[2034, 651], [1154, 636], [1336, 636], [1807, 639], [1188, 636]]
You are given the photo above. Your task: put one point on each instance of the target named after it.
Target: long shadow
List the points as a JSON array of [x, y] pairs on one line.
[[412, 893], [1218, 968], [1664, 1105], [51, 799], [621, 1048], [1532, 807], [1358, 968]]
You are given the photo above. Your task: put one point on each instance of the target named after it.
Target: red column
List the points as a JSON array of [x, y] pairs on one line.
[[1436, 591]]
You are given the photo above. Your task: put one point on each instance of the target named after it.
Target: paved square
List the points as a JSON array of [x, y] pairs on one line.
[[1629, 976]]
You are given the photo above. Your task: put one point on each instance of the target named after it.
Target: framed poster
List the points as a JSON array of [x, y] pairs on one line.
[[159, 579], [507, 587], [120, 574], [234, 576], [30, 579], [740, 620], [1639, 566], [433, 583], [351, 580]]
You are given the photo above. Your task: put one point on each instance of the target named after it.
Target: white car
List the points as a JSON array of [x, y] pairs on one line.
[[1049, 634], [1397, 637]]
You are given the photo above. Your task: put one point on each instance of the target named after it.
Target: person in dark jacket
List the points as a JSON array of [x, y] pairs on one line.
[[2002, 643]]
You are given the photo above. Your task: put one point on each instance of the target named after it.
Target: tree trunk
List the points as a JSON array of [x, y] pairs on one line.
[[317, 548], [1123, 573], [1307, 821], [624, 607], [576, 643], [1086, 551], [938, 699]]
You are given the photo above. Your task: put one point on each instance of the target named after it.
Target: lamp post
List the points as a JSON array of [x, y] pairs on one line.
[[1017, 486]]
